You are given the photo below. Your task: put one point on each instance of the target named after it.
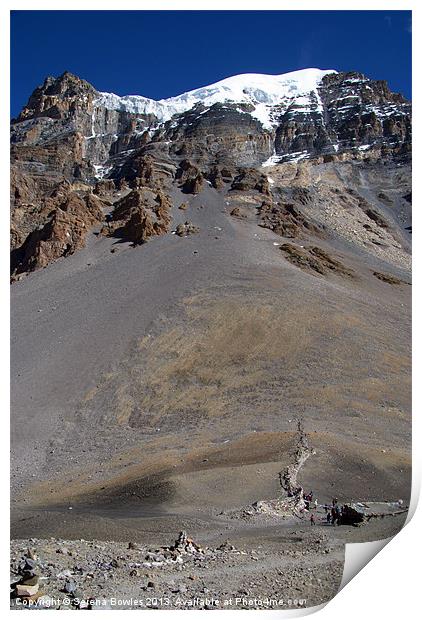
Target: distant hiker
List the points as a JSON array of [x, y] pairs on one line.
[[312, 519], [328, 517], [316, 504], [333, 515], [335, 500], [338, 514]]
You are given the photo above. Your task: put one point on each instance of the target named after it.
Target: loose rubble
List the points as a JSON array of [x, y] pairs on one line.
[[109, 575]]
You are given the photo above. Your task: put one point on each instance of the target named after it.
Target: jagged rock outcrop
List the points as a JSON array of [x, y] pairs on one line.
[[286, 220], [64, 231], [67, 105], [140, 215], [104, 187], [59, 98], [189, 177], [216, 178], [349, 111], [250, 179], [314, 259], [149, 165]]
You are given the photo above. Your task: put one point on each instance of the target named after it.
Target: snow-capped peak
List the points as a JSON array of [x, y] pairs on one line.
[[257, 89]]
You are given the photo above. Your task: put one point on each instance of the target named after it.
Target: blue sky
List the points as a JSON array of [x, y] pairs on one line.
[[163, 53]]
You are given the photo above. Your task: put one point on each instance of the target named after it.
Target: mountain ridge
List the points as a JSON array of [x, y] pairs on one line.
[[309, 95], [252, 88], [71, 135]]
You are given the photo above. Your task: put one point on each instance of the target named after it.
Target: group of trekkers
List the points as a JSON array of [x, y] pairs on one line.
[[333, 511]]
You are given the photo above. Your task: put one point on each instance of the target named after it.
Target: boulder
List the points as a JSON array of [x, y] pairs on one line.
[[28, 587], [183, 230]]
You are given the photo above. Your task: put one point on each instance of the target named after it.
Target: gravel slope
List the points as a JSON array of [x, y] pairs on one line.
[[154, 387]]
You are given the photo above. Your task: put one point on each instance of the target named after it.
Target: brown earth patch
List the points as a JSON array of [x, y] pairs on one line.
[[314, 259], [388, 278]]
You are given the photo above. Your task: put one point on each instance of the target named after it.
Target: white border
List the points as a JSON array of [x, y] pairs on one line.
[[388, 585]]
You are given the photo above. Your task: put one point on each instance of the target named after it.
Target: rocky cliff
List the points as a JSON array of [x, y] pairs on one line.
[[71, 140]]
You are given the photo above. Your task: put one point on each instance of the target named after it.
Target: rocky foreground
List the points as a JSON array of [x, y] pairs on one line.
[[287, 554], [81, 574]]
